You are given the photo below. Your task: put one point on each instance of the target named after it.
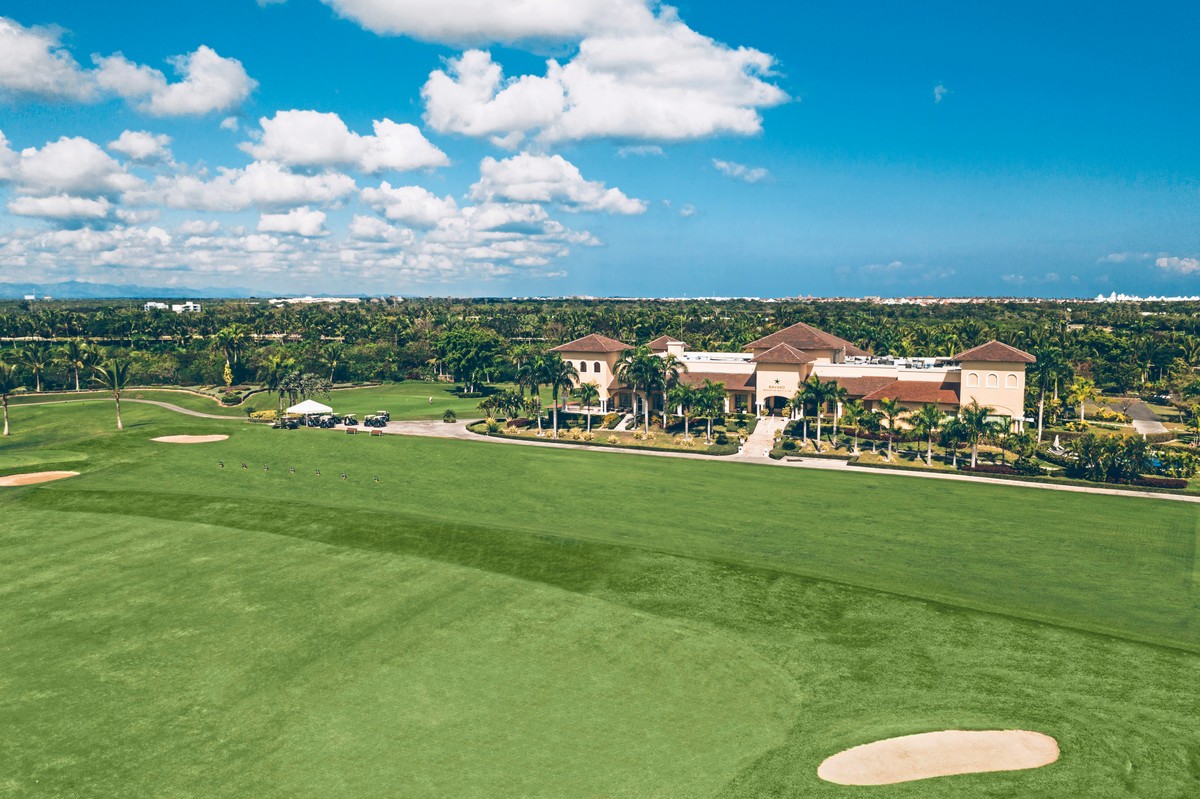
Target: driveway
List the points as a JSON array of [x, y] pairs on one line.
[[1145, 421]]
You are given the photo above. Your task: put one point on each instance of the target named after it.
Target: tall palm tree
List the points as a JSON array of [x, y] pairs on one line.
[[853, 413], [976, 426], [9, 384], [1048, 370], [683, 396], [35, 357], [333, 354], [560, 376], [588, 394], [927, 421], [1082, 391], [113, 375], [670, 368], [837, 395], [274, 376], [74, 355], [954, 432], [710, 403], [533, 406], [893, 414], [639, 369]]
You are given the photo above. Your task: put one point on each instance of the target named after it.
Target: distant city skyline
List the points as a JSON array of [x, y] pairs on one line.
[[601, 147]]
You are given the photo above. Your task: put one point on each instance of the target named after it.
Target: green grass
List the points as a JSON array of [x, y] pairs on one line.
[[491, 620], [408, 400]]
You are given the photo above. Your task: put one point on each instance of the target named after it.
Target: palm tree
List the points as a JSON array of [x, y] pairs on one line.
[[670, 368], [588, 394], [559, 375], [854, 412], [639, 369], [820, 393], [1083, 390], [274, 376], [838, 396], [709, 403], [334, 351], [528, 376], [9, 384], [927, 421], [893, 413], [35, 358], [975, 424], [684, 397], [113, 375], [954, 432], [74, 354]]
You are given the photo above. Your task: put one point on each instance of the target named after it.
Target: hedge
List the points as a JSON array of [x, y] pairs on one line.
[[712, 449]]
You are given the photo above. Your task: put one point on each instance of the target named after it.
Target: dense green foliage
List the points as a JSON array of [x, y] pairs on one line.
[[492, 620]]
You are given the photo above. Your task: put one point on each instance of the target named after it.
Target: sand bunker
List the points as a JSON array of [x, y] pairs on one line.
[[939, 754], [189, 439], [30, 478]]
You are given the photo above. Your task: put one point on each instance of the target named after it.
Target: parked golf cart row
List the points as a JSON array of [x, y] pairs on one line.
[[330, 420]]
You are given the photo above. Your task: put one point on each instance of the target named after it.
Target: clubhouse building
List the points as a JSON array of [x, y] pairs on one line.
[[770, 371]]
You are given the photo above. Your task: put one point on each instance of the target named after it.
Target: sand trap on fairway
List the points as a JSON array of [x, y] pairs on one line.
[[30, 478], [939, 754], [189, 439]]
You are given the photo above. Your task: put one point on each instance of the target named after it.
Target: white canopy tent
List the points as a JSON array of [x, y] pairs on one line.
[[309, 407]]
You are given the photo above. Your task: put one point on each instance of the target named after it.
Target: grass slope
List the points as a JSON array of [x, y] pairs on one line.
[[501, 621]]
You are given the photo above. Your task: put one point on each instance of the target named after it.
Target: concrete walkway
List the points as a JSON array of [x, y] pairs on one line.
[[762, 440], [168, 406]]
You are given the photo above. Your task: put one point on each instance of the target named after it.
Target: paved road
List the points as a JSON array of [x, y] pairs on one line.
[[1145, 421]]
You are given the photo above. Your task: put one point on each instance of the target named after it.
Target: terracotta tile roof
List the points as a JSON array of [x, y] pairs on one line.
[[593, 343], [859, 387], [995, 351], [917, 391], [805, 337], [660, 344], [733, 382], [782, 353]]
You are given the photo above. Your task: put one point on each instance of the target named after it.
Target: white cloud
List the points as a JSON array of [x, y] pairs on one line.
[[411, 205], [641, 150], [741, 172], [372, 228], [61, 207], [259, 184], [658, 80], [939, 92], [528, 178], [688, 210], [199, 227], [1182, 266], [71, 165], [479, 21], [310, 138], [229, 123], [33, 62], [142, 147], [299, 221], [1124, 257], [209, 83]]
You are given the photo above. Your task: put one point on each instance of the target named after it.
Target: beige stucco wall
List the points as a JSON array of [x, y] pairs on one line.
[[607, 362], [999, 385], [779, 380]]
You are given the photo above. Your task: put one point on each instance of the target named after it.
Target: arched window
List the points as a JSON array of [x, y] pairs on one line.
[[972, 379], [597, 366], [583, 366], [1010, 381], [993, 380]]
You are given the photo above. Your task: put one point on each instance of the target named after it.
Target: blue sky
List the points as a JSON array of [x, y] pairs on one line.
[[772, 149]]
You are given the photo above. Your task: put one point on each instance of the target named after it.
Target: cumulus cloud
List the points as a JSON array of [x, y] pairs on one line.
[[259, 184], [655, 80], [528, 178], [1178, 265], [208, 83], [939, 92], [299, 221], [70, 165], [34, 63], [142, 147], [61, 207], [480, 21], [747, 174], [372, 228], [313, 139], [412, 205]]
